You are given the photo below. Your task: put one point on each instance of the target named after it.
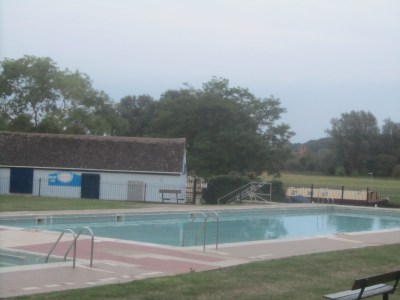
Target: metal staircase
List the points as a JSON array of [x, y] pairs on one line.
[[250, 192]]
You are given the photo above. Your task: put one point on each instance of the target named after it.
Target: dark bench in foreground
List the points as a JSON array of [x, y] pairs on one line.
[[370, 286]]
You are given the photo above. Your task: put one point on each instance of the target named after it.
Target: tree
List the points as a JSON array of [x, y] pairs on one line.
[[35, 95], [354, 141], [385, 164], [137, 111], [265, 113], [27, 87], [227, 129], [390, 139]]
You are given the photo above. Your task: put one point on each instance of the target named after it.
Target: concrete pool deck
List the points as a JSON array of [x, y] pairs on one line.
[[117, 261]]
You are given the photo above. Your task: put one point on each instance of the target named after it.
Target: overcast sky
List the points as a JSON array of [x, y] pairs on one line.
[[321, 58]]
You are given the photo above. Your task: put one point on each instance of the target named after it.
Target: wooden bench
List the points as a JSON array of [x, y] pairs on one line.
[[370, 286], [167, 191]]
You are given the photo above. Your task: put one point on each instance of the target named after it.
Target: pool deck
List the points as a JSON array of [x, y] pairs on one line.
[[117, 261]]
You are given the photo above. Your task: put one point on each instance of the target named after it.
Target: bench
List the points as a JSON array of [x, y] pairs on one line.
[[167, 191], [370, 286]]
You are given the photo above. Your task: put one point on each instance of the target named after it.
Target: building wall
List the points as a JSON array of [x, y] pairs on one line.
[[113, 186]]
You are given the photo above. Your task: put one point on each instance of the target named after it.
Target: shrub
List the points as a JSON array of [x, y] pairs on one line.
[[396, 171], [340, 171], [278, 192], [221, 185]]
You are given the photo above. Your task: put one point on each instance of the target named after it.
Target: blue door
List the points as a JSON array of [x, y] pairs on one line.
[[21, 180], [90, 186]]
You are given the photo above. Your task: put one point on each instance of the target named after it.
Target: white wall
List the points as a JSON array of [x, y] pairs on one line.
[[113, 186]]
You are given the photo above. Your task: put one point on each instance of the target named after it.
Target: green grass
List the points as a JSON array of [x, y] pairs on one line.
[[32, 203], [362, 182], [301, 277]]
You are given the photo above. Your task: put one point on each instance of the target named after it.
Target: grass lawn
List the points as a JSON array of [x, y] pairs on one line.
[[301, 277], [31, 203], [362, 182]]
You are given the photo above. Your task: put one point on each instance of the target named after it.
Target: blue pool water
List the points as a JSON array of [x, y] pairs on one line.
[[233, 226], [11, 258]]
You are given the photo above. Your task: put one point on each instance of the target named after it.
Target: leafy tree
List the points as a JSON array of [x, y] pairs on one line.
[[377, 151], [325, 161], [21, 123], [354, 141], [27, 87], [36, 96], [390, 139], [396, 171], [137, 113], [227, 129], [174, 115], [385, 164]]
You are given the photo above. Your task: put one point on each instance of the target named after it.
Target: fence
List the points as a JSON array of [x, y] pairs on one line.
[[339, 194], [111, 190]]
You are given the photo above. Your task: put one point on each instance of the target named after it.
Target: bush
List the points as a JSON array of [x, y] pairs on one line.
[[396, 171], [221, 185], [278, 193], [340, 171]]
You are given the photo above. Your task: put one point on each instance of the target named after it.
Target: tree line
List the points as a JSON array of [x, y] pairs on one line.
[[355, 146], [228, 129]]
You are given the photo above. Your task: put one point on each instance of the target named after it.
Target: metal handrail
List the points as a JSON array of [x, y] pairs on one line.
[[73, 244], [217, 233], [56, 243], [76, 239], [194, 215], [244, 190], [205, 215], [235, 192]]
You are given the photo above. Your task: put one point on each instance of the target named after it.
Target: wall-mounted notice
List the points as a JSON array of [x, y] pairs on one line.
[[64, 178]]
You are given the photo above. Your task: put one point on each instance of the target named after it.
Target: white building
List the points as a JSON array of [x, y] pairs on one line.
[[76, 166]]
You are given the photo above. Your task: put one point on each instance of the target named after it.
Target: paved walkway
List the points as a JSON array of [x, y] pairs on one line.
[[118, 261]]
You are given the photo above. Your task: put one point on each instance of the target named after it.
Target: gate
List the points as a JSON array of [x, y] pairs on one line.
[[136, 190]]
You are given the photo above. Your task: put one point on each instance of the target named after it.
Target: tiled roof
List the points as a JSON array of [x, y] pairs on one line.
[[92, 152]]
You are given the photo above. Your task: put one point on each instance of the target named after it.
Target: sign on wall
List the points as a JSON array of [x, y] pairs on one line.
[[64, 178]]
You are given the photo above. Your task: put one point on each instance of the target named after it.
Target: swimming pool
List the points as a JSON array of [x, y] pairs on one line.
[[11, 258], [238, 225]]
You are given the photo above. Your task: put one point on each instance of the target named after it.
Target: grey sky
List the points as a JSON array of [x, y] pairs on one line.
[[320, 57]]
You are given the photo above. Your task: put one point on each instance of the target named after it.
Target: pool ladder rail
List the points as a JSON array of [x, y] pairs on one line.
[[73, 245], [205, 216]]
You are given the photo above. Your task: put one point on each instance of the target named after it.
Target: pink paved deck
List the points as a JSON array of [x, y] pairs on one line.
[[122, 261]]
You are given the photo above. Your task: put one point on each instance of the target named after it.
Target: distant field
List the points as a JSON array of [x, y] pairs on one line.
[[362, 182]]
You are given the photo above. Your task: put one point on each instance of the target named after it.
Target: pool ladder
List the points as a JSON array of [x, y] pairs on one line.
[[205, 216], [73, 245]]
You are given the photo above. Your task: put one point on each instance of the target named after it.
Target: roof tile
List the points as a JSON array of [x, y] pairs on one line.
[[92, 152]]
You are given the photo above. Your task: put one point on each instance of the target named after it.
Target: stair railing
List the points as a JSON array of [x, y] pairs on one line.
[[73, 245]]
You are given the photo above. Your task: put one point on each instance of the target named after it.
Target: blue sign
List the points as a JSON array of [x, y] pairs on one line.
[[64, 178]]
